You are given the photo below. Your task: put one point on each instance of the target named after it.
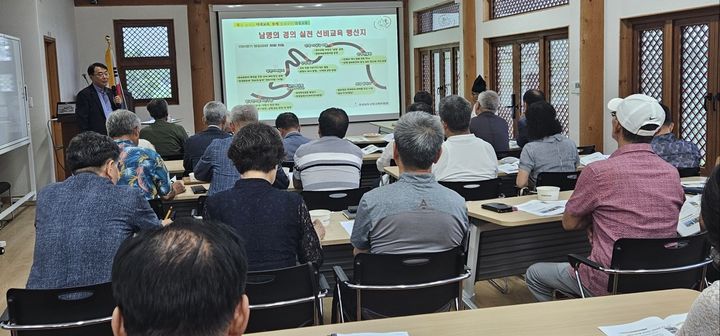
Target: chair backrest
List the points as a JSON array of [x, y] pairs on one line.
[[282, 285], [564, 180], [157, 206], [38, 307], [288, 164], [476, 190], [513, 152], [408, 269], [336, 200], [687, 172], [636, 254], [585, 150]]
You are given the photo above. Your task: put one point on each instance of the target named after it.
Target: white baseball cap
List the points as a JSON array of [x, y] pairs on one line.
[[636, 111]]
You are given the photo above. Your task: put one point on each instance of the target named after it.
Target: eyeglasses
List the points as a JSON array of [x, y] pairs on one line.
[[613, 114], [102, 74]]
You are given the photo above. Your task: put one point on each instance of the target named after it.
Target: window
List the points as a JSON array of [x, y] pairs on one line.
[[502, 8], [437, 18], [146, 61], [531, 61], [439, 71], [673, 60]]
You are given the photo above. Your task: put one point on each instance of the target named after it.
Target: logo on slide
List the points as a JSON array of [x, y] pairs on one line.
[[383, 23]]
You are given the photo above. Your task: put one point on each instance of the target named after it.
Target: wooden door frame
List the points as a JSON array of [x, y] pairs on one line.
[[53, 83]]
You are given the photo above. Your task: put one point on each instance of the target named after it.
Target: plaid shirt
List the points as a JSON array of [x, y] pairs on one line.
[[143, 168], [679, 153], [633, 194]]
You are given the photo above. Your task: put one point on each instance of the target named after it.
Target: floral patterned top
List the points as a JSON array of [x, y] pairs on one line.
[[143, 169]]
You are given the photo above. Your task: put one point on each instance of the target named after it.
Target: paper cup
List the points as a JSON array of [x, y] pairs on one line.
[[548, 193], [192, 176], [322, 215]]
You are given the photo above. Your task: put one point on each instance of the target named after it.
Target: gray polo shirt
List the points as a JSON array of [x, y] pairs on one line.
[[413, 215], [555, 153], [328, 163]]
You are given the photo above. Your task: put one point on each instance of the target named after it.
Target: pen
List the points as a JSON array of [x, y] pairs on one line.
[[167, 215]]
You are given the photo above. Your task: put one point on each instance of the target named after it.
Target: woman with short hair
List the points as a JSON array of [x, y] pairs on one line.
[[275, 224]]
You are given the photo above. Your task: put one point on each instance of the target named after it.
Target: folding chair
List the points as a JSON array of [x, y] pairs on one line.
[[564, 180], [286, 298], [640, 265], [79, 311], [389, 285], [475, 190]]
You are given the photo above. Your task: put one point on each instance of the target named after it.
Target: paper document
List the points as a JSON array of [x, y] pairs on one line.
[[348, 226], [697, 182], [509, 168], [396, 333], [651, 326], [588, 159], [389, 137], [543, 208], [689, 219], [369, 149]]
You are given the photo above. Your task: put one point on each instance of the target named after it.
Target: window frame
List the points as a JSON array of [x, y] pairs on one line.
[[454, 49], [543, 38], [145, 63], [490, 10], [418, 13]]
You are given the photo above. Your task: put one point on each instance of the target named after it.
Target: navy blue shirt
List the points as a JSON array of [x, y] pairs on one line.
[[491, 128], [679, 153], [275, 224]]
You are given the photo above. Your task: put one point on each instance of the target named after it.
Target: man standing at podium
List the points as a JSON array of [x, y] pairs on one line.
[[96, 102]]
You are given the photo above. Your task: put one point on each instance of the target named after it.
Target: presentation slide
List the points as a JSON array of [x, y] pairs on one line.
[[307, 64]]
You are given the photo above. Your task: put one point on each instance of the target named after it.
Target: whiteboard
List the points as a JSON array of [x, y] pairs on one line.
[[13, 107]]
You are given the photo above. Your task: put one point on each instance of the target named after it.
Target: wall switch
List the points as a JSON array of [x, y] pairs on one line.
[[575, 87]]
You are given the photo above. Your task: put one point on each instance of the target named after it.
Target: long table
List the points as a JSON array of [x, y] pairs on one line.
[[506, 244], [560, 318]]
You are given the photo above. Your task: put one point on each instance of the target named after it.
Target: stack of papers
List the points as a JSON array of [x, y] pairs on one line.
[[697, 182], [369, 149], [543, 208], [689, 221], [509, 168], [588, 159], [651, 326]]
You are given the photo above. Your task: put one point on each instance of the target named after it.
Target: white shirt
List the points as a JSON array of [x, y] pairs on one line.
[[466, 158], [387, 155]]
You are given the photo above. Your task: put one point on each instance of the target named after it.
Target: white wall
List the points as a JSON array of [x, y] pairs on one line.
[[93, 23], [547, 19], [615, 11], [29, 20]]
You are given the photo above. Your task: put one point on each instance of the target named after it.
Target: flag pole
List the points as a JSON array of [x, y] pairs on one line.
[[114, 79]]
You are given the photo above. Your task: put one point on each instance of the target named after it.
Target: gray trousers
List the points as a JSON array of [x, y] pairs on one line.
[[543, 278]]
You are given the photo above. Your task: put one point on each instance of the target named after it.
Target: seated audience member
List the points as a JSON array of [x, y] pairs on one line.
[[464, 157], [168, 138], [331, 162], [415, 214], [214, 116], [81, 222], [487, 125], [425, 98], [387, 155], [704, 315], [289, 126], [185, 279], [548, 150], [140, 168], [215, 165], [633, 194], [679, 153], [519, 120], [275, 224]]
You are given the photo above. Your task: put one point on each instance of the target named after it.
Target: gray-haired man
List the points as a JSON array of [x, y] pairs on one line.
[[414, 214], [214, 116], [215, 165]]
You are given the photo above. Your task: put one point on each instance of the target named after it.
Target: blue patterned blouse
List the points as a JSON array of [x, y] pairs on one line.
[[143, 169], [679, 153]]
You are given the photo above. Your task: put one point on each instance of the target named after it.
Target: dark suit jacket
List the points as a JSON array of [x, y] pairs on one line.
[[195, 146], [89, 111]]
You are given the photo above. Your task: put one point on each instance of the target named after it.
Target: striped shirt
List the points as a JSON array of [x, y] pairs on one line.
[[328, 163]]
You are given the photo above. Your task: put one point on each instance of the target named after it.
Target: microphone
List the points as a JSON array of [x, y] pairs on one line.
[[86, 80]]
